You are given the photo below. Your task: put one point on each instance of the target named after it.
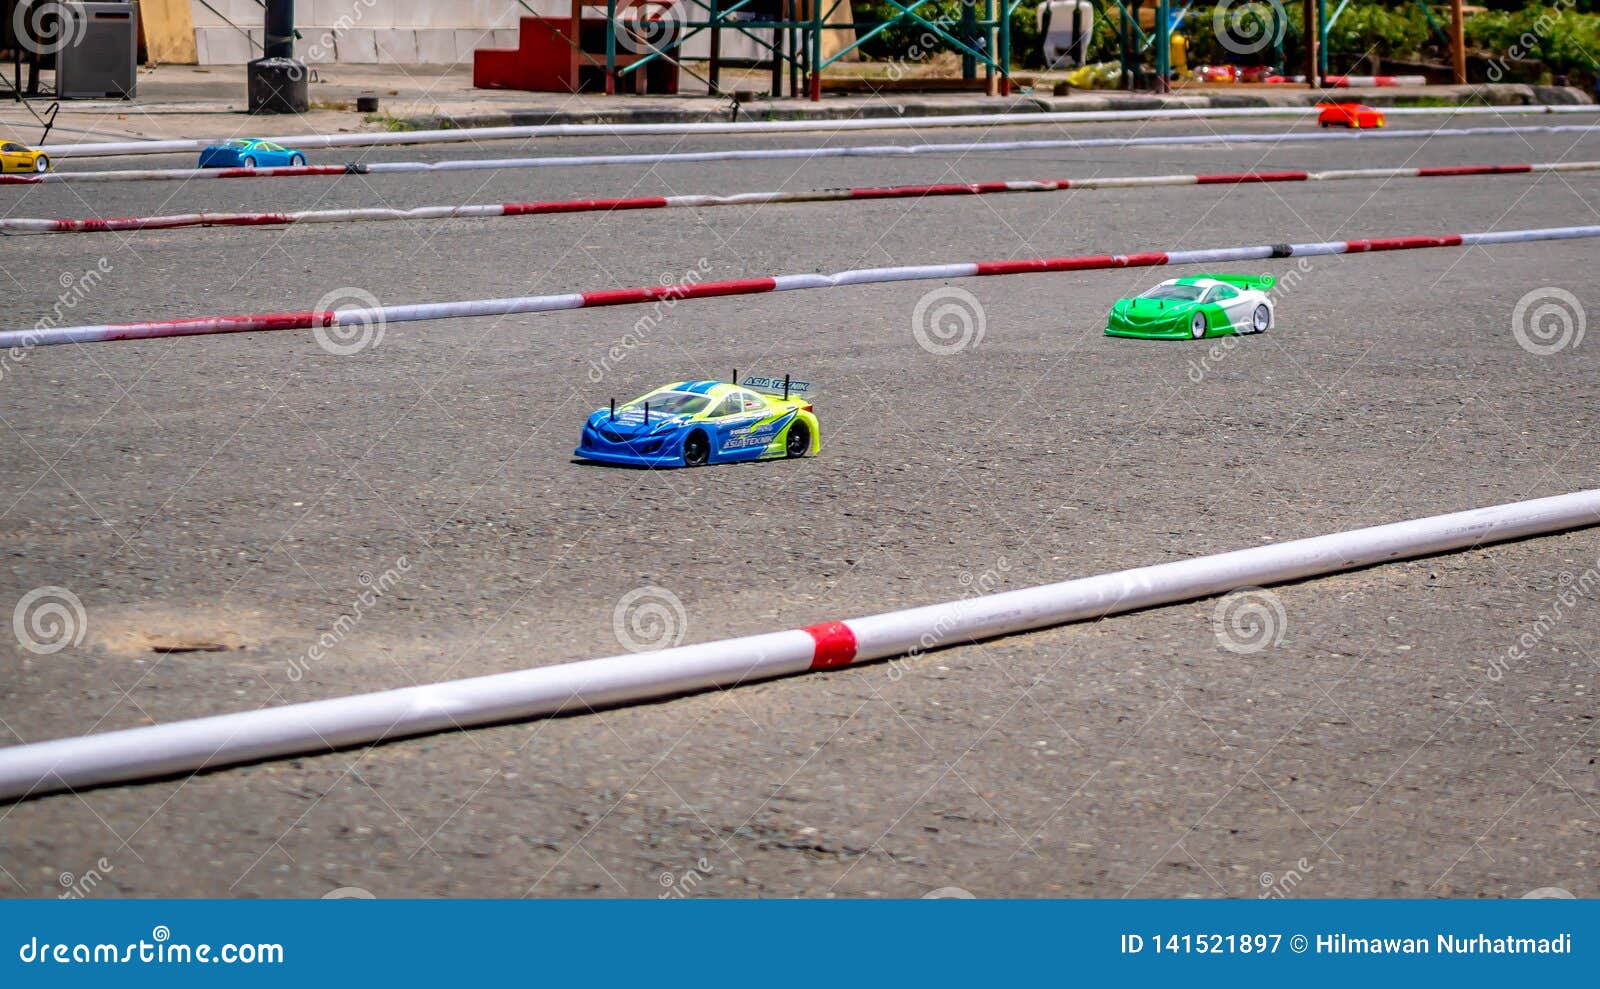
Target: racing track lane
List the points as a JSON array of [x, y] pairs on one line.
[[1134, 754]]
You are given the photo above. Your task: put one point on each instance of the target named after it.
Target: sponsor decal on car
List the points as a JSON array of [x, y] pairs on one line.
[[775, 386]]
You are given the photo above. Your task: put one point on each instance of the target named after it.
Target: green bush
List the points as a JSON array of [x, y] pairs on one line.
[[1025, 43], [1386, 32], [905, 38], [1564, 36], [1565, 40]]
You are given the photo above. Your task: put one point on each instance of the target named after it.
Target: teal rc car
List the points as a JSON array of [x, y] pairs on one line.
[[1192, 308]]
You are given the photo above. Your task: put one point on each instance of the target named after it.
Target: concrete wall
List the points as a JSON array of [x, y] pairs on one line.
[[405, 32]]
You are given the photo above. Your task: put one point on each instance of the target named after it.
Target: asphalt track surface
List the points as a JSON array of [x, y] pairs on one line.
[[237, 492]]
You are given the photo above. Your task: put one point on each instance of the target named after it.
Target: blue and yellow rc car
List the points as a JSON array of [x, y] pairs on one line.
[[694, 423]]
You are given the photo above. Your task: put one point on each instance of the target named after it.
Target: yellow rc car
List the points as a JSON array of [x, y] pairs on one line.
[[16, 157]]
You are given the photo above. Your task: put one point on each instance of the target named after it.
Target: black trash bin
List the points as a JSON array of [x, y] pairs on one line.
[[278, 85]]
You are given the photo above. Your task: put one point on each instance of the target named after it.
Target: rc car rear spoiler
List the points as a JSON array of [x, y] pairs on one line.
[[784, 387], [1258, 282]]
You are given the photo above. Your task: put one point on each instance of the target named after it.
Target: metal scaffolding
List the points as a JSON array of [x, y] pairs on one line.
[[789, 33], [981, 35]]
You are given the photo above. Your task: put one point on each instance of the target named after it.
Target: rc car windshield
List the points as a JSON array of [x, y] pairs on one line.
[[236, 144], [672, 403], [1174, 293]]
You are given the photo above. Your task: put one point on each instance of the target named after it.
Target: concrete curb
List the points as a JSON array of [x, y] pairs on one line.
[[723, 112], [1444, 97]]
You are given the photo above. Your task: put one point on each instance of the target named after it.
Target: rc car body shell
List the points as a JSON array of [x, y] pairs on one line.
[[1357, 116], [16, 157], [690, 423], [250, 153], [1196, 307]]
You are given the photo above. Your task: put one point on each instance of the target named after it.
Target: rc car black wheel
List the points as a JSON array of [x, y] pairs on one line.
[[41, 164], [799, 441], [1197, 326], [297, 160], [1261, 319], [249, 163], [696, 449]]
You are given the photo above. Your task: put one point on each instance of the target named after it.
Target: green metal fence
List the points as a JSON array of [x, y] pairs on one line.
[[796, 38]]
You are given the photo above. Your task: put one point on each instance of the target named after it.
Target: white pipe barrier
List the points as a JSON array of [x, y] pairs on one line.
[[477, 134], [759, 154], [320, 726], [173, 221], [41, 335], [1364, 82]]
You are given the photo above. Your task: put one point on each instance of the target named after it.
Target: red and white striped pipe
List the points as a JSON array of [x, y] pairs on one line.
[[41, 335], [95, 225], [320, 726], [1025, 118], [762, 154], [183, 174]]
